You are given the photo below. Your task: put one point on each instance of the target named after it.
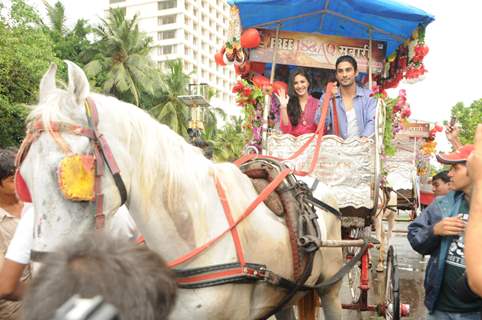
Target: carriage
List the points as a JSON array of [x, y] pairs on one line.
[[406, 170], [357, 170]]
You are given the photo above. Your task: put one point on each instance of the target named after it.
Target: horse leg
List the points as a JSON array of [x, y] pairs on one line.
[[330, 302], [330, 297]]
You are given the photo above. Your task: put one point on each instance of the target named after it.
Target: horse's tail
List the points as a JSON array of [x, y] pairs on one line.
[[307, 306]]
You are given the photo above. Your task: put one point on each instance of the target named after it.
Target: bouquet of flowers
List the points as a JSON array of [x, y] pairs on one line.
[[250, 98], [397, 113]]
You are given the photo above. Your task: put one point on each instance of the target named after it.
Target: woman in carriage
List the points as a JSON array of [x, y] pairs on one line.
[[297, 111]]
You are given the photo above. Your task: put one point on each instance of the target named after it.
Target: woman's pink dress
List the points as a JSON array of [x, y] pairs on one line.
[[306, 124]]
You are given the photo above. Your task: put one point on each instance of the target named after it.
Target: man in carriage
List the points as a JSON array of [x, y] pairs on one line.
[[354, 109]]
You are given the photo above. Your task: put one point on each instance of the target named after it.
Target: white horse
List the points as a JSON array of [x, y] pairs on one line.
[[173, 200], [386, 211]]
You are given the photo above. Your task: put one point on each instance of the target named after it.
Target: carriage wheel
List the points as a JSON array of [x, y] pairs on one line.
[[392, 287], [354, 274]]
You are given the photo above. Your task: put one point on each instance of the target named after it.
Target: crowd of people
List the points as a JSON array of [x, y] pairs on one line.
[[448, 230]]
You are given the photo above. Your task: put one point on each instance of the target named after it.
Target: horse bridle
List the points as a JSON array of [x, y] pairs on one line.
[[101, 153]]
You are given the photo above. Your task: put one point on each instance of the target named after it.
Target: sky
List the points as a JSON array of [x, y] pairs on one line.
[[453, 39]]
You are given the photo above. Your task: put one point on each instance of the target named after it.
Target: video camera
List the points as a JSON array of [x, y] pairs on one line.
[[77, 308]]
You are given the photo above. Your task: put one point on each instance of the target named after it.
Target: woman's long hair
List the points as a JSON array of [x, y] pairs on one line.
[[294, 107]]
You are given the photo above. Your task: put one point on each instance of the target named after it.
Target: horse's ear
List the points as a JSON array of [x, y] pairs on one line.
[[78, 83], [47, 84]]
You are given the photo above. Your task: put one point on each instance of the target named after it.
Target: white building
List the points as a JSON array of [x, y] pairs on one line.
[[192, 30]]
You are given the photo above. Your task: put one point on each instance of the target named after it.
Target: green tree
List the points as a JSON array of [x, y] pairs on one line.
[[121, 65], [468, 117], [71, 44], [211, 116], [170, 110], [25, 54], [229, 142], [12, 123]]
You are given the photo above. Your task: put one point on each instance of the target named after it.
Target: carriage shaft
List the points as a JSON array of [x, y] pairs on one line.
[[343, 243]]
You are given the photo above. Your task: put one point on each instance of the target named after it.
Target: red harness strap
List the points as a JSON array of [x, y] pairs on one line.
[[229, 217], [232, 225], [102, 151], [336, 126]]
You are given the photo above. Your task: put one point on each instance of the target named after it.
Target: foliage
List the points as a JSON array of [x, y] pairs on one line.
[[121, 65], [25, 54], [169, 109], [12, 123], [22, 15], [388, 136], [69, 44], [211, 116], [229, 142], [468, 118]]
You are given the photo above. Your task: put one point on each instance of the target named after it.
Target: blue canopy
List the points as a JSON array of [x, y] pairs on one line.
[[389, 21]]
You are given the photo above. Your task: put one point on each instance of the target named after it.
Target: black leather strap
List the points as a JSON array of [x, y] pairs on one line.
[[323, 205]]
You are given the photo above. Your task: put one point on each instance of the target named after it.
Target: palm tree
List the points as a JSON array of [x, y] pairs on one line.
[[70, 44], [170, 110], [211, 116], [121, 65], [56, 15], [229, 142]]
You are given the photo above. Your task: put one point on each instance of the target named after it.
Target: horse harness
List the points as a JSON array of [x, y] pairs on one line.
[[286, 197], [291, 199], [91, 165]]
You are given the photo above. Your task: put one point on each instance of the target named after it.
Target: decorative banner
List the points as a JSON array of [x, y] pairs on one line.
[[414, 130], [318, 51]]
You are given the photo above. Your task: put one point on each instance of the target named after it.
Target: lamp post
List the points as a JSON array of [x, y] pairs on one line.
[[197, 101]]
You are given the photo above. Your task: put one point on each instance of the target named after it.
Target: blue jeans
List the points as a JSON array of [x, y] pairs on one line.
[[442, 315]]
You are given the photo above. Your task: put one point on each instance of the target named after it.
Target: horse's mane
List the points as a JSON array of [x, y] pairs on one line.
[[161, 153]]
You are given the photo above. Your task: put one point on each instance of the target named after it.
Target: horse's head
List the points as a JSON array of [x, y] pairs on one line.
[[59, 160]]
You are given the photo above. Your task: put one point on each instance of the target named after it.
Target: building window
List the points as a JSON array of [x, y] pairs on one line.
[[166, 50], [162, 5], [166, 19], [169, 34]]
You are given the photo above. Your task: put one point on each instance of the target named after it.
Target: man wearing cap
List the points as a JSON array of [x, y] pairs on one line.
[[439, 232], [473, 246]]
